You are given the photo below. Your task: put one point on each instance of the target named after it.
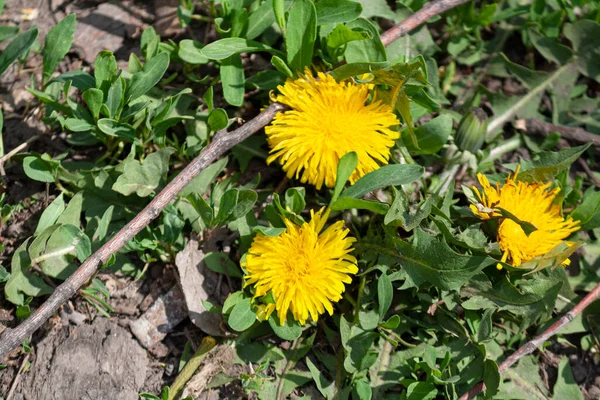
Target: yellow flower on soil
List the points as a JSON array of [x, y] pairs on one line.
[[529, 202], [326, 120], [304, 269]]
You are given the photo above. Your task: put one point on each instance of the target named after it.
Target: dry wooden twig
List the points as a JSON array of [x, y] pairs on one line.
[[542, 128], [533, 344]]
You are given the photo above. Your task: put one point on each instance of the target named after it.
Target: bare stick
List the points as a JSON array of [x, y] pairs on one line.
[[577, 135], [429, 10], [533, 344], [14, 151], [223, 141]]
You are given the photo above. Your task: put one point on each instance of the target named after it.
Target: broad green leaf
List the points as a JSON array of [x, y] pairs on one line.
[[141, 82], [105, 69], [64, 245], [80, 79], [337, 11], [17, 47], [432, 135], [260, 20], [588, 212], [102, 228], [566, 387], [363, 389], [585, 37], [301, 34], [342, 35], [371, 50], [204, 210], [242, 317], [222, 264], [149, 43], [77, 125], [50, 214], [8, 32], [266, 80], [279, 11], [21, 281], [115, 128], [72, 214], [232, 78], [347, 203], [93, 98], [217, 119], [190, 51], [326, 388], [268, 230], [546, 165], [294, 199], [224, 48], [550, 48], [377, 8], [421, 391], [115, 98], [57, 45], [144, 177], [408, 216], [388, 175], [290, 330], [428, 259], [346, 167], [38, 169], [385, 294], [350, 70], [491, 378]]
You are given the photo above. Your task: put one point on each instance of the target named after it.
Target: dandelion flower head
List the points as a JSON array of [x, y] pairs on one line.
[[304, 269], [326, 120], [529, 202]]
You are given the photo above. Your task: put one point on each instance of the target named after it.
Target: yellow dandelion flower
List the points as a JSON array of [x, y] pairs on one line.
[[529, 202], [304, 269], [326, 120]]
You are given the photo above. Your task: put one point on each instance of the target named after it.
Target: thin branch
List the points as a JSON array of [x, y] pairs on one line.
[[429, 10], [4, 159], [222, 142], [533, 344], [577, 135]]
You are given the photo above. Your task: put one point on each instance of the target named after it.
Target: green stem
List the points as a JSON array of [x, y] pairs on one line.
[[192, 365], [406, 154], [505, 147]]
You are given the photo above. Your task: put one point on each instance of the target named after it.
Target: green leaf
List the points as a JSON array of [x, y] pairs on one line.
[[190, 51], [347, 203], [141, 82], [385, 294], [371, 50], [551, 49], [350, 70], [326, 388], [72, 214], [281, 66], [566, 387], [431, 136], [21, 282], [17, 47], [115, 128], [200, 184], [337, 11], [102, 228], [428, 259], [57, 45], [363, 389], [346, 167], [546, 165], [402, 213], [217, 119], [38, 169], [93, 98], [491, 378], [588, 212], [50, 214], [388, 175], [224, 48], [421, 391], [301, 34], [149, 43], [286, 331], [585, 37], [115, 98], [279, 12], [242, 317], [485, 326], [260, 19], [56, 254], [80, 79], [232, 78], [203, 209], [8, 32], [268, 230], [222, 264], [342, 35], [105, 69], [143, 178]]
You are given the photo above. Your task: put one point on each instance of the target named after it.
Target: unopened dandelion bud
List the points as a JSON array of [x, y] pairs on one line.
[[472, 130]]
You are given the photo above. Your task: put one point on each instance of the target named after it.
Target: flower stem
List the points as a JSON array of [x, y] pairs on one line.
[[192, 365], [361, 289]]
